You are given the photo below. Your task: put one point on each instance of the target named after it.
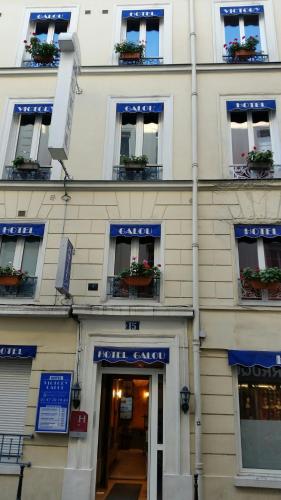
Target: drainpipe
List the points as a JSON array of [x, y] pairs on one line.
[[195, 252]]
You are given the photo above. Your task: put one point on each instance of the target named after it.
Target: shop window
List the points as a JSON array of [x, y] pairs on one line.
[[260, 417]]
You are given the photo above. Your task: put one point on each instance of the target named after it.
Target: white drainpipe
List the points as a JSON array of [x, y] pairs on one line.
[[195, 252]]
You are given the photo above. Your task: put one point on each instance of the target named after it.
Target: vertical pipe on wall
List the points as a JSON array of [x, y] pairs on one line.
[[195, 252]]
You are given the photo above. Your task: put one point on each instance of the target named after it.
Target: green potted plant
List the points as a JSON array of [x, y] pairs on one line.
[[134, 161], [259, 160], [9, 276], [259, 279], [246, 48], [140, 273], [22, 163], [41, 52], [129, 50]]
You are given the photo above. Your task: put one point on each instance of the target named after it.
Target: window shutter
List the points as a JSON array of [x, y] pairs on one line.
[[14, 385]]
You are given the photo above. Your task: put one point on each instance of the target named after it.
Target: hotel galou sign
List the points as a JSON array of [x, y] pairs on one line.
[[131, 355], [256, 231]]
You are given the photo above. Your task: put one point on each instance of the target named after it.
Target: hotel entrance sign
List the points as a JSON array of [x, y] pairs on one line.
[[53, 403]]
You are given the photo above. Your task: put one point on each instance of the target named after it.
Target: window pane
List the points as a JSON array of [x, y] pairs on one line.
[[252, 28], [30, 255], [248, 253], [260, 416], [60, 27], [261, 130], [128, 134], [7, 251], [272, 250], [231, 28], [25, 136], [122, 254], [239, 136], [146, 250], [150, 137], [133, 30], [152, 38], [41, 31], [44, 156]]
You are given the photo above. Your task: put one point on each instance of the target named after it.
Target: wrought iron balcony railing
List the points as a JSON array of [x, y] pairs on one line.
[[244, 172], [30, 63], [148, 173], [17, 174], [11, 447], [25, 290], [247, 292], [257, 57], [117, 288], [144, 61]]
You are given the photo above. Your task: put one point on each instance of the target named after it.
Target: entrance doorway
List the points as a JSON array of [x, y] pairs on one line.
[[129, 465]]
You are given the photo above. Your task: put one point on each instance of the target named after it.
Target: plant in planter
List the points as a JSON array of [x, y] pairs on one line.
[[41, 52], [22, 163], [245, 48], [9, 276], [268, 279], [129, 50], [140, 273], [134, 161], [259, 160]]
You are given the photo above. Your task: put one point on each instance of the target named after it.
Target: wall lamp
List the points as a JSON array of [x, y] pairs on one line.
[[76, 393], [185, 397]]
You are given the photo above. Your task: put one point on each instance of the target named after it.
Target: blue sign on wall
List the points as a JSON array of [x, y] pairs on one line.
[[23, 230], [236, 11], [64, 266], [50, 16], [142, 13], [30, 109], [250, 105], [18, 351], [257, 231], [267, 359], [131, 355], [140, 107], [136, 230], [53, 403]]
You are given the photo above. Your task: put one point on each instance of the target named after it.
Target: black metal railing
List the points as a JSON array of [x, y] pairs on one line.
[[248, 292], [17, 174], [244, 172], [11, 447], [257, 57], [26, 289], [30, 63], [144, 61], [138, 173], [117, 288]]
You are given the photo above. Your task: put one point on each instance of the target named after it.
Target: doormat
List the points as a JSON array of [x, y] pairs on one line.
[[124, 491]]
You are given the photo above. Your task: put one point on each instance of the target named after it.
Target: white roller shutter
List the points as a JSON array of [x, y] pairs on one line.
[[14, 385]]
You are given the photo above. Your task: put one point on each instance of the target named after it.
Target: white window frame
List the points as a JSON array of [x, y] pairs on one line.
[[257, 478], [134, 252], [165, 30], [28, 27], [113, 134], [267, 28], [9, 132]]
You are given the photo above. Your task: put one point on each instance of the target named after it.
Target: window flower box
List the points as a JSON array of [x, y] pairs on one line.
[[129, 50], [41, 52], [139, 274], [23, 164], [137, 280], [134, 162], [9, 276], [262, 279]]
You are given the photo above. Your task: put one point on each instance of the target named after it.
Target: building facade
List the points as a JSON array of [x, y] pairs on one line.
[[195, 108]]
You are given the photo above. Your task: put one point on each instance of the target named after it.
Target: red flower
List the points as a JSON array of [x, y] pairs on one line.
[[158, 265], [243, 37], [25, 41], [254, 148], [243, 154]]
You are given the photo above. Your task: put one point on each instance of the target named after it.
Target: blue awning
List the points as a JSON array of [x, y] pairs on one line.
[[238, 11], [139, 14], [50, 16], [135, 230], [140, 107], [267, 359], [18, 351], [257, 231], [131, 355], [265, 105], [30, 109], [23, 230]]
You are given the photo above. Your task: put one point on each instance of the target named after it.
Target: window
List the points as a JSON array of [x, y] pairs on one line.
[[259, 247], [144, 245], [139, 28], [33, 134], [260, 416], [249, 129]]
